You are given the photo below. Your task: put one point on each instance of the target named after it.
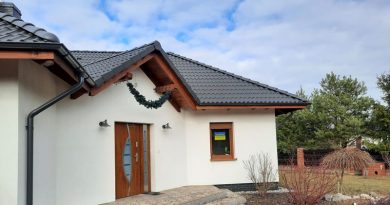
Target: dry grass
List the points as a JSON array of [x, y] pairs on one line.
[[362, 184], [354, 185]]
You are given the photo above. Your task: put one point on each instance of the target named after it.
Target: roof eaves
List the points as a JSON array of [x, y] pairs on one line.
[[58, 47], [253, 104]]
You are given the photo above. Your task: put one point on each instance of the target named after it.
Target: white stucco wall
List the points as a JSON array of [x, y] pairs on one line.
[[74, 160], [24, 85], [85, 152], [36, 86], [253, 131], [9, 132]]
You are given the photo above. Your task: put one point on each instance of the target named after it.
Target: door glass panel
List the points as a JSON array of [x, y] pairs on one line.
[[146, 157], [127, 159]]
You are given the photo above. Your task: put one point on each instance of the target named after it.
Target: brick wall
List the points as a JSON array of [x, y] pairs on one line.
[[376, 169]]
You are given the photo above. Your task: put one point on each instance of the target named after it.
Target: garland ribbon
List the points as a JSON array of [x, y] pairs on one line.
[[148, 103]]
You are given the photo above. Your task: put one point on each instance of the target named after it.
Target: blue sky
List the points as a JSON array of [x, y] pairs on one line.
[[285, 44]]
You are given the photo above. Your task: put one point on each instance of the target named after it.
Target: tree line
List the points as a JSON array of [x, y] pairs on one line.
[[340, 113]]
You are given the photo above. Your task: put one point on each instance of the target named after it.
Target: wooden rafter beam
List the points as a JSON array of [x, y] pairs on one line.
[[32, 55], [129, 76], [123, 74], [187, 98], [165, 88], [78, 94]]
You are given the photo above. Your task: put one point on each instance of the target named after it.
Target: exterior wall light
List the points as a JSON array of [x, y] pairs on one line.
[[48, 63], [104, 124], [166, 126]]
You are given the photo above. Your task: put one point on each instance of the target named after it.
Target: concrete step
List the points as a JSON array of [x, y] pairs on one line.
[[230, 199], [211, 197]]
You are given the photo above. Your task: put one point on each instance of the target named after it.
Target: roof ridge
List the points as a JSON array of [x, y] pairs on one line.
[[237, 76], [96, 51], [120, 53], [29, 27]]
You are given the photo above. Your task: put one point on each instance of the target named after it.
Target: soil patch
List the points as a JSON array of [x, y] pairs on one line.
[[283, 199]]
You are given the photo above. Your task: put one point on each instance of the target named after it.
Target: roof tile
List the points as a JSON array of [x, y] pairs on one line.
[[214, 86], [16, 30], [209, 85], [101, 65]]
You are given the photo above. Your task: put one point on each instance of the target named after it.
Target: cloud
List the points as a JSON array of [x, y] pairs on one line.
[[283, 44]]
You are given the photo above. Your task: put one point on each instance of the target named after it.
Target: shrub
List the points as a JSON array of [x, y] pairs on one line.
[[261, 172], [347, 158], [308, 185]]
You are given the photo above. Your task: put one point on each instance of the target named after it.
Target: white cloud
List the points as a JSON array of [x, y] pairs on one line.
[[285, 44]]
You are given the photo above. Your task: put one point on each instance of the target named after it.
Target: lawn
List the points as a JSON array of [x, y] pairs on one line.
[[361, 184], [354, 185]]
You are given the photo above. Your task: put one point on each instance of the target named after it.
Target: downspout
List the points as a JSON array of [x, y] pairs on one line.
[[30, 133]]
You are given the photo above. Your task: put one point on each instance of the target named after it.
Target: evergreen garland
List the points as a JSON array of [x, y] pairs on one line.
[[148, 103]]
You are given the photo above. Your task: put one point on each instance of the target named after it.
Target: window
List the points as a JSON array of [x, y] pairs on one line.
[[221, 139]]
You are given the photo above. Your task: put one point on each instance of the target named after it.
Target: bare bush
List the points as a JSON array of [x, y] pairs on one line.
[[308, 185], [347, 158], [261, 172]]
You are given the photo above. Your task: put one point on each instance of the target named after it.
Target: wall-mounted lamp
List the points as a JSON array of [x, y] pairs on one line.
[[104, 124], [48, 63], [166, 126]]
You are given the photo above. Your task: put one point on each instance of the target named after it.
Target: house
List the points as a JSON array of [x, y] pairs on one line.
[[72, 133]]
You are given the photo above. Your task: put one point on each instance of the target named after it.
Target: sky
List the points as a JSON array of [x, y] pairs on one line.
[[285, 44]]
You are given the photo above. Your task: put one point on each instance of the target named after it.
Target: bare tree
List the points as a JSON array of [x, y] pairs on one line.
[[260, 171], [347, 158]]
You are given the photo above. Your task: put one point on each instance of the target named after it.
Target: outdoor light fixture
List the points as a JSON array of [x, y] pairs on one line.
[[166, 126], [48, 63], [104, 124]]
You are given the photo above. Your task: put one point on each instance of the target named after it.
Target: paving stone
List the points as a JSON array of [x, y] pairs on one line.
[[231, 199], [188, 195]]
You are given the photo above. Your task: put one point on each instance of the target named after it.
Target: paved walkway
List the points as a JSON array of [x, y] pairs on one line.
[[188, 195]]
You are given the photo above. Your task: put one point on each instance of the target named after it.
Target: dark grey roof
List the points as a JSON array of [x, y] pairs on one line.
[[102, 68], [208, 85], [87, 57], [213, 86], [16, 30]]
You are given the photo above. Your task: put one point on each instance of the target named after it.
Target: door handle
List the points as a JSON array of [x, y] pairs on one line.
[[136, 157]]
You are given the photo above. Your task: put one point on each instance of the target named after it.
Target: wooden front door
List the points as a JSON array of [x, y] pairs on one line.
[[131, 159]]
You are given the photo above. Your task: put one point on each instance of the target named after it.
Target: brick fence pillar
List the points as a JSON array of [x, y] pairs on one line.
[[300, 158], [359, 142]]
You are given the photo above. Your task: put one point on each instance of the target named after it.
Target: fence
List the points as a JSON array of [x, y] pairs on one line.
[[313, 157]]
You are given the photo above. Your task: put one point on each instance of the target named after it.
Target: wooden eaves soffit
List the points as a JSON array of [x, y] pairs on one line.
[[228, 107], [162, 76], [48, 59]]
